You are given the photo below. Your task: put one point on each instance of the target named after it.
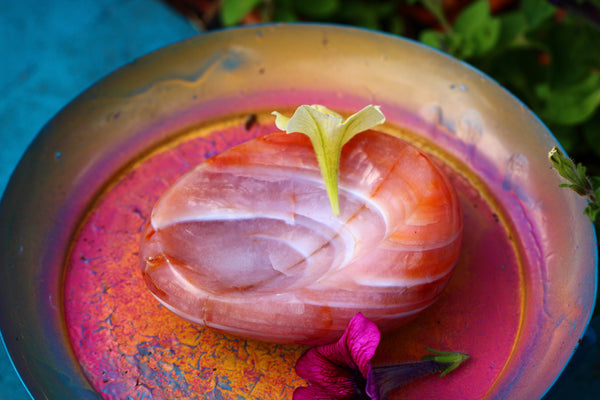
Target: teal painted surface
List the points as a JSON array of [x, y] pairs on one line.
[[56, 49], [53, 50]]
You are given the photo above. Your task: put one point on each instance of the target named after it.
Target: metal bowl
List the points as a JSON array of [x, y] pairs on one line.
[[478, 128]]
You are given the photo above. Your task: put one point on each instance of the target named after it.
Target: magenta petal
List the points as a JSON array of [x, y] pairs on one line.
[[361, 339], [319, 369], [352, 353], [339, 370]]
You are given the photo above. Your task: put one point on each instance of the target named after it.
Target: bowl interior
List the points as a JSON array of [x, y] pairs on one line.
[[477, 129]]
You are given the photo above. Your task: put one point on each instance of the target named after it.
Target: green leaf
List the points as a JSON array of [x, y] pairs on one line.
[[577, 180], [317, 9], [366, 14], [436, 7], [452, 359], [233, 11], [473, 16], [536, 12], [513, 27], [575, 51], [328, 133], [592, 210], [477, 28], [574, 174], [435, 39], [283, 11], [572, 104], [516, 31]]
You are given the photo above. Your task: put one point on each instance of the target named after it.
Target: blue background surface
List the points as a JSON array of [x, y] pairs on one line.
[[51, 51], [54, 49]]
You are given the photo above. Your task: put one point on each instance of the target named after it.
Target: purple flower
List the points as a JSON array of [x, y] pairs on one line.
[[343, 371], [339, 371]]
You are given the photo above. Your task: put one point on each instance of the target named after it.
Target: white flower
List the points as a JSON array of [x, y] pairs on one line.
[[328, 133]]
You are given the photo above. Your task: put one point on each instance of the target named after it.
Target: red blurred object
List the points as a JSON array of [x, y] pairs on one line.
[[203, 13]]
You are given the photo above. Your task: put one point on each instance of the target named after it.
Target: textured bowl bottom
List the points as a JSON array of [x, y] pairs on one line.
[[129, 345]]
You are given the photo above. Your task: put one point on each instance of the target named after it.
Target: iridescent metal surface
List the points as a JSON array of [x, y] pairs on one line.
[[71, 296]]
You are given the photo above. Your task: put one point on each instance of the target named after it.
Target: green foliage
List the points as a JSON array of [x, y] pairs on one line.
[[233, 11], [553, 66], [374, 14], [475, 32], [570, 105], [316, 9], [449, 360], [550, 61], [578, 181], [436, 8]]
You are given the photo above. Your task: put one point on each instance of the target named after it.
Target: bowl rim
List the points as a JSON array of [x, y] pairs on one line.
[[14, 246]]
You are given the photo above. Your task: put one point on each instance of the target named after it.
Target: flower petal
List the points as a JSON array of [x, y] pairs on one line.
[[340, 368], [361, 339], [324, 366], [328, 134], [281, 121], [366, 118], [326, 380]]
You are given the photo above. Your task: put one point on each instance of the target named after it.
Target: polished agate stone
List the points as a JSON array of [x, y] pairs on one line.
[[246, 243]]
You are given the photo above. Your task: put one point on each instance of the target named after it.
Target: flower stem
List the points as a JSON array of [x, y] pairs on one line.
[[383, 379]]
